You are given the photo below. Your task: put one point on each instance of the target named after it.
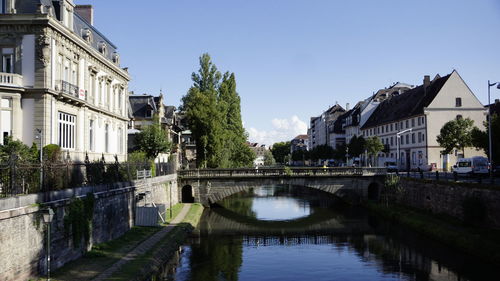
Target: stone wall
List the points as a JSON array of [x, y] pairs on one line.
[[447, 198], [23, 232]]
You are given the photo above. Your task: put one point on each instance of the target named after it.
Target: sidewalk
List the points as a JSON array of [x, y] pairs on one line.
[[144, 246]]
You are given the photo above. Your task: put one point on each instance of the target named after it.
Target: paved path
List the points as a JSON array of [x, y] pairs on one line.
[[145, 245]]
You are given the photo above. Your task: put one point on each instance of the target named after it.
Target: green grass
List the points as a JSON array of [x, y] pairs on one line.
[[480, 242], [175, 211], [104, 255], [162, 251]]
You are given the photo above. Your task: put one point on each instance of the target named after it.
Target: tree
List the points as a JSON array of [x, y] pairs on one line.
[[373, 146], [323, 151], [213, 113], [269, 158], [356, 146], [280, 150], [22, 151], [480, 138], [456, 134], [153, 140]]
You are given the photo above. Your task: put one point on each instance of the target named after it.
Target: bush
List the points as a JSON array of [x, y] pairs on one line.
[[474, 210]]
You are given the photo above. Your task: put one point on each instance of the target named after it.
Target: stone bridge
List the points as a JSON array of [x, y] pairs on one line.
[[208, 186]]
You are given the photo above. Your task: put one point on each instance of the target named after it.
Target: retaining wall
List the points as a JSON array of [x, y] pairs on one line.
[[23, 232]]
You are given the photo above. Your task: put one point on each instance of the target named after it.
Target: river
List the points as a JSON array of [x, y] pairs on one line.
[[294, 233]]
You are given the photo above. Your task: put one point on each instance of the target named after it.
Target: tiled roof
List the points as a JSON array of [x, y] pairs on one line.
[[407, 104], [140, 104]]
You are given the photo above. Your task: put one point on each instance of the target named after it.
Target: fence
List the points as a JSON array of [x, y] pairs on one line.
[[18, 178], [451, 177]]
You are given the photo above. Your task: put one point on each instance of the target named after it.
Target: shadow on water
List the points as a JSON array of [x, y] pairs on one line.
[[334, 241]]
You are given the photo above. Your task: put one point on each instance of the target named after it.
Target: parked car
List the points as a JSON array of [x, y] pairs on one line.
[[474, 165], [391, 166]]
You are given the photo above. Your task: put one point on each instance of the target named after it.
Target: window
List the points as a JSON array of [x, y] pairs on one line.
[[382, 129], [407, 124], [418, 121], [120, 141], [403, 140], [402, 157], [5, 118], [414, 158], [413, 122], [458, 102], [106, 138], [407, 139], [419, 137], [92, 89], [420, 158], [91, 135], [67, 130], [396, 124], [8, 60], [413, 138], [391, 127], [392, 140], [3, 8]]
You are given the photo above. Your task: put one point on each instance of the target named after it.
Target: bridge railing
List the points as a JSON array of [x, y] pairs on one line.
[[280, 172]]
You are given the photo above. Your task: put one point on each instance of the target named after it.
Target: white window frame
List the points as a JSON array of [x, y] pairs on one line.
[[91, 135], [66, 130]]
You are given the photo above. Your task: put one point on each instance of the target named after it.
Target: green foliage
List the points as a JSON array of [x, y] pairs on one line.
[[356, 146], [280, 150], [456, 134], [287, 171], [474, 210], [153, 140], [373, 146], [78, 220], [213, 112], [18, 148], [322, 152], [480, 138], [269, 158], [392, 189]]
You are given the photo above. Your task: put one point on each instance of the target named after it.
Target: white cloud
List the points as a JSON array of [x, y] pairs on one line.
[[283, 130]]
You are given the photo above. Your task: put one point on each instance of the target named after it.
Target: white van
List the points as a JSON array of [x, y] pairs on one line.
[[474, 165]]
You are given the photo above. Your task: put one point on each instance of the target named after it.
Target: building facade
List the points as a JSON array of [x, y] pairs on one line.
[[61, 80], [409, 123]]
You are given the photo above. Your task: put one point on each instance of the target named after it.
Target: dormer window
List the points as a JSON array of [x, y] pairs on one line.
[[87, 35], [116, 58], [102, 47]]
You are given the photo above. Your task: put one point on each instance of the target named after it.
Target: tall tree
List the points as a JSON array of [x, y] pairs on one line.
[[356, 146], [280, 150], [373, 146], [456, 134], [212, 108], [153, 140], [480, 138]]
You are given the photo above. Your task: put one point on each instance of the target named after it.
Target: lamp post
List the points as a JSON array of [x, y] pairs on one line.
[[48, 215], [40, 135], [490, 147], [398, 137]]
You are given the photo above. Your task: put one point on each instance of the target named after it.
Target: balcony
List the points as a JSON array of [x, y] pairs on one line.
[[11, 79], [69, 89]]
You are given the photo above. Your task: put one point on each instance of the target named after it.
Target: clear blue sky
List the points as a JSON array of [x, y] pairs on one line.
[[292, 59]]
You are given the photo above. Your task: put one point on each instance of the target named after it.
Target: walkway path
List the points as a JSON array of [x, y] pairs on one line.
[[144, 246]]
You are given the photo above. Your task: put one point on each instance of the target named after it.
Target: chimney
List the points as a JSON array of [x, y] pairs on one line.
[[347, 107], [86, 12], [427, 82]]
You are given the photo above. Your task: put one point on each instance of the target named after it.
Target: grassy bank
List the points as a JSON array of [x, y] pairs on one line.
[[480, 242], [104, 255], [160, 253]]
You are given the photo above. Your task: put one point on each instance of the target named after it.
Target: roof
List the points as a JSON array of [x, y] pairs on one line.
[[407, 104], [140, 104], [301, 137]]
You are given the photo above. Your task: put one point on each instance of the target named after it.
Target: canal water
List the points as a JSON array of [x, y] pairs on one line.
[[293, 233]]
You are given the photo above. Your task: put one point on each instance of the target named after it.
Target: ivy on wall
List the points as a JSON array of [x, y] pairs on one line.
[[78, 219]]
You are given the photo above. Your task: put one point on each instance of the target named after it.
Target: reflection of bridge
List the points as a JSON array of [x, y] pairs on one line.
[[224, 222], [211, 185]]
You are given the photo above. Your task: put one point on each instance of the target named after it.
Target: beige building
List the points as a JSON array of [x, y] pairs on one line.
[[61, 80], [417, 116]]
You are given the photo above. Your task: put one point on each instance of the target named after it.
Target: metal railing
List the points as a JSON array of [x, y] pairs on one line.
[[281, 172], [450, 177], [18, 178], [11, 79], [69, 89]]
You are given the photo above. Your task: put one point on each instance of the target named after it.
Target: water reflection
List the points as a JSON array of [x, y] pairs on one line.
[[329, 242]]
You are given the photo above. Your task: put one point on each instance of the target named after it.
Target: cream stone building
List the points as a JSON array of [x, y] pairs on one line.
[[417, 116], [61, 80]]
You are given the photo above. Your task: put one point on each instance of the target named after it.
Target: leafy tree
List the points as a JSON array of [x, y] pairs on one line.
[[340, 152], [213, 112], [280, 150], [269, 158], [322, 152], [356, 146], [480, 138], [373, 146], [299, 155], [153, 140], [456, 134], [18, 148]]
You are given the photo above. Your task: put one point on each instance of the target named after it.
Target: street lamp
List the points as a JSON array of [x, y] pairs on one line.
[[48, 215], [489, 127], [398, 137]]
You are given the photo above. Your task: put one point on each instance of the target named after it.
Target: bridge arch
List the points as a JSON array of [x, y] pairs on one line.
[[187, 194]]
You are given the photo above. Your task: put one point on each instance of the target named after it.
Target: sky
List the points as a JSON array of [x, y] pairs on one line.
[[295, 58]]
